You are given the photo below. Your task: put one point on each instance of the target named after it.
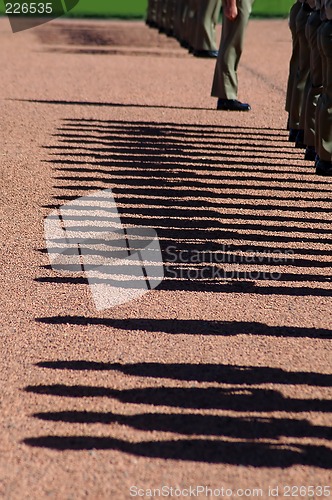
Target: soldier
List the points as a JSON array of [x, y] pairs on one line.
[[225, 83], [324, 107]]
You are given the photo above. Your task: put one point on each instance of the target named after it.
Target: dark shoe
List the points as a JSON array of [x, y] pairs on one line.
[[206, 53], [292, 134], [324, 168], [184, 44], [232, 105], [151, 24], [310, 153], [299, 143]]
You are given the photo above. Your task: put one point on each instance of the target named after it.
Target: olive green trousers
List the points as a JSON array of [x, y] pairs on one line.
[[225, 81], [316, 77], [208, 12], [301, 81], [294, 60], [324, 106]]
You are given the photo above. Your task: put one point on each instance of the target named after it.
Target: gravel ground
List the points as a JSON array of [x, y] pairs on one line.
[[222, 381]]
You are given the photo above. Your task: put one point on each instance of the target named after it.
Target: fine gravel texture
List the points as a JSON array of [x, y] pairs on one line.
[[220, 377]]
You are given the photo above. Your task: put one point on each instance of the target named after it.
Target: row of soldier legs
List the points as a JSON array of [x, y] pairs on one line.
[[309, 90], [191, 22]]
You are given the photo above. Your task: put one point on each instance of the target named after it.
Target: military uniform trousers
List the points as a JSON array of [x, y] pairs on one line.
[[152, 11], [302, 82], [161, 13], [189, 22], [171, 7], [225, 81], [208, 12], [316, 77], [181, 8], [324, 107], [294, 61]]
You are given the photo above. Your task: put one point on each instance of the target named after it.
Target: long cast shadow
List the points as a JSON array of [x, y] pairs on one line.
[[235, 399], [194, 424], [227, 374], [199, 450], [192, 327]]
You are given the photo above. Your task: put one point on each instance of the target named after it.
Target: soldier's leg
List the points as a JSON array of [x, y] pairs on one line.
[[324, 166], [320, 99], [170, 17], [294, 61], [193, 20], [159, 15], [299, 143], [148, 12], [313, 24], [189, 22], [178, 15], [225, 82], [163, 16], [151, 18], [205, 37], [183, 20], [303, 69]]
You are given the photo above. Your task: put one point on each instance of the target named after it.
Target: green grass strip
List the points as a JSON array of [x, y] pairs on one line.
[[135, 9]]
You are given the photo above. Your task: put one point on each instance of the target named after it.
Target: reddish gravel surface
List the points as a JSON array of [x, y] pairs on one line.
[[221, 382]]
